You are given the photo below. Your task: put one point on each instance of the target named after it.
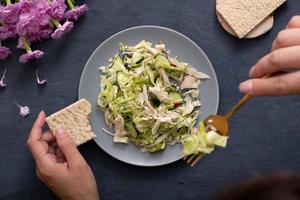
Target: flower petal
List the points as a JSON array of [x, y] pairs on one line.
[[4, 52], [75, 13], [30, 56], [63, 29]]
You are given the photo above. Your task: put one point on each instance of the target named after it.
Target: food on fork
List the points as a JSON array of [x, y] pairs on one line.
[[203, 140], [74, 119]]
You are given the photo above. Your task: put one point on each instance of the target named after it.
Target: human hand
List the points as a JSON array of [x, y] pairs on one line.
[[60, 165], [283, 62]]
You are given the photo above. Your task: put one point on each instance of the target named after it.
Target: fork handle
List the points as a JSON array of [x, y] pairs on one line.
[[237, 106], [242, 102]]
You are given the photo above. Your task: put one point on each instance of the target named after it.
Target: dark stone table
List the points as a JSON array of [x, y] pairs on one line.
[[265, 135]]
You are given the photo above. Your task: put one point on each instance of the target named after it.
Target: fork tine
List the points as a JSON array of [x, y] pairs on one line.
[[197, 159], [191, 158], [184, 158]]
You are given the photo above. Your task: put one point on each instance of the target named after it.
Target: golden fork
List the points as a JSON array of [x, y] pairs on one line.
[[220, 123]]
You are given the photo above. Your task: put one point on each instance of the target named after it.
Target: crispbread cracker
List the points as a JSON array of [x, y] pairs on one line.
[[244, 15], [74, 119], [259, 30]]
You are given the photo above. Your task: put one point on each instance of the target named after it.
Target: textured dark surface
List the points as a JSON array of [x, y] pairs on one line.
[[265, 135]]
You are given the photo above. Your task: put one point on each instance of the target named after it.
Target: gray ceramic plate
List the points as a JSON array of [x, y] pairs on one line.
[[180, 46]]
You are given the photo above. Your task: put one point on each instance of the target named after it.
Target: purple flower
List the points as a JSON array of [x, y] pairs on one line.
[[40, 82], [32, 23], [62, 29], [10, 13], [43, 9], [76, 12], [4, 52], [44, 33], [30, 55], [7, 31], [2, 84], [28, 23], [24, 110], [58, 9]]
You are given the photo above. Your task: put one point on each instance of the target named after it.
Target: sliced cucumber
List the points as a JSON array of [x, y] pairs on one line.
[[157, 147], [122, 80], [162, 61], [116, 66], [129, 127]]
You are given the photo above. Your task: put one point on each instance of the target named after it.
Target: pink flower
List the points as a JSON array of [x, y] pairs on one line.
[[43, 9], [32, 23], [28, 23], [58, 9], [40, 82], [7, 31], [44, 33], [2, 84], [10, 13], [62, 29], [76, 12], [4, 52], [30, 56], [24, 110]]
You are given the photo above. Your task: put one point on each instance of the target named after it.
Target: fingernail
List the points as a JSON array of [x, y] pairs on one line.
[[60, 133], [40, 113], [246, 87], [251, 72]]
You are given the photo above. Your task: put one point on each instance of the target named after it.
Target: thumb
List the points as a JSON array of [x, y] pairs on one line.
[[68, 148]]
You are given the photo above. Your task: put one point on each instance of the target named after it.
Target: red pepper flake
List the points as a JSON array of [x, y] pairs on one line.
[[177, 104]]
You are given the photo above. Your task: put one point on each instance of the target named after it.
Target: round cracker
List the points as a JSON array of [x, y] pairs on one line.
[[259, 30]]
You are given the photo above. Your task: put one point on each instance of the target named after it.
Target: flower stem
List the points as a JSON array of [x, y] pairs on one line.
[[37, 75], [26, 44], [71, 4], [17, 104], [8, 2], [55, 23], [4, 73]]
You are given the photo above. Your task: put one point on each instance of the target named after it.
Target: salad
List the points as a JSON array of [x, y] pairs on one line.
[[152, 100]]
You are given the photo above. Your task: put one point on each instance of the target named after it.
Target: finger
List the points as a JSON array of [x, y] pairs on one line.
[[69, 149], [37, 171], [36, 131], [51, 150], [294, 22], [36, 146], [59, 153], [60, 156], [48, 137], [54, 143], [287, 84], [279, 60], [287, 38]]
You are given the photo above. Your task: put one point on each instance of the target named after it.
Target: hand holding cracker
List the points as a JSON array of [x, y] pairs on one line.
[[284, 61], [60, 165]]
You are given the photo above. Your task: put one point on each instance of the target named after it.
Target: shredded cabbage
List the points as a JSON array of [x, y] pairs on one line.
[[151, 99], [202, 141]]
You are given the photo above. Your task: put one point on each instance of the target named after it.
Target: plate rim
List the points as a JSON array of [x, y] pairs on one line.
[[141, 27]]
